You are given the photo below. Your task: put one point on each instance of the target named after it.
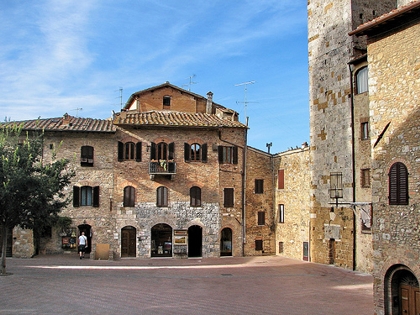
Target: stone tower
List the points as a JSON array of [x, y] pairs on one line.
[[335, 236]]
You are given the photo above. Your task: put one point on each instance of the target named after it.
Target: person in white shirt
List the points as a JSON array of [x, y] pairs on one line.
[[82, 245]]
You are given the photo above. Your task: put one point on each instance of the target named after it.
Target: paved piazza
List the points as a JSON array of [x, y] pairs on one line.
[[64, 284]]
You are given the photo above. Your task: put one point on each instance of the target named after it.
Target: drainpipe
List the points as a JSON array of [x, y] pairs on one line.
[[353, 162], [244, 189]]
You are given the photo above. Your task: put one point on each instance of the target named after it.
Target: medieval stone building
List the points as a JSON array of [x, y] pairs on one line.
[[393, 42]]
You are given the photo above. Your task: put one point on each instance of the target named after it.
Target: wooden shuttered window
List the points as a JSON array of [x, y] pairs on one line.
[[261, 218], [195, 152], [86, 156], [259, 186], [129, 196], [228, 197], [280, 179], [129, 151], [85, 196], [398, 184], [195, 196], [228, 155], [162, 196]]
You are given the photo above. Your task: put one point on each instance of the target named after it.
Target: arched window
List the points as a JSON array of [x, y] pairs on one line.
[[162, 196], [362, 80], [195, 152], [129, 151], [195, 196], [129, 196], [398, 184]]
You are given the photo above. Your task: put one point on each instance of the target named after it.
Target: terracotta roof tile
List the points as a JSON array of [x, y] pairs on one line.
[[67, 123], [175, 119]]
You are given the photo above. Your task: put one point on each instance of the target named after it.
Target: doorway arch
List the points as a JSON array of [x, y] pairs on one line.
[[226, 242], [128, 241], [88, 233], [402, 292], [195, 239], [161, 245]]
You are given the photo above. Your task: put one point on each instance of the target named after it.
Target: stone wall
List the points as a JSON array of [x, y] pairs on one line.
[[293, 232], [395, 90], [330, 50]]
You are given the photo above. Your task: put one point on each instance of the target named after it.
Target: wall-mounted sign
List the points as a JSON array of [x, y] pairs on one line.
[[180, 237]]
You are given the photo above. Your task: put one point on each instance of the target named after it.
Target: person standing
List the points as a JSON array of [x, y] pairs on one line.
[[82, 245]]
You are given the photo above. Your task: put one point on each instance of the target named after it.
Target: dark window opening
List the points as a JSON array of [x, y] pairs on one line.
[[259, 186], [228, 197], [261, 218], [258, 245], [195, 196], [129, 196], [398, 184], [162, 196], [86, 156]]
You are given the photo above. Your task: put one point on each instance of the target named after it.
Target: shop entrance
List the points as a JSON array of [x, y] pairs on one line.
[[128, 241], [161, 245], [226, 242], [88, 233], [195, 237]]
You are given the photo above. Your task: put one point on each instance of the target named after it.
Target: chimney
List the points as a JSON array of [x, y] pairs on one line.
[[209, 105], [66, 119]]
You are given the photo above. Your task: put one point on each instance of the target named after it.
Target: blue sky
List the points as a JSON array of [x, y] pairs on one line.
[[58, 56]]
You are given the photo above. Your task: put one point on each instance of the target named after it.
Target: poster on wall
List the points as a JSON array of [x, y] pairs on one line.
[[180, 237]]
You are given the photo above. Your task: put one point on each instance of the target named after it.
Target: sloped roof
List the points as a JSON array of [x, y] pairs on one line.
[[174, 119], [396, 17], [67, 123]]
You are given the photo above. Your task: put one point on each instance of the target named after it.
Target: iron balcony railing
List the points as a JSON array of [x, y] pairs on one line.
[[162, 167]]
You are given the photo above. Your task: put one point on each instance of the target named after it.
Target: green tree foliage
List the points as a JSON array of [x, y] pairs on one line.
[[31, 190]]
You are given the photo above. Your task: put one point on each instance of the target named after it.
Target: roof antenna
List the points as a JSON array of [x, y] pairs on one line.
[[245, 102], [191, 82], [77, 111]]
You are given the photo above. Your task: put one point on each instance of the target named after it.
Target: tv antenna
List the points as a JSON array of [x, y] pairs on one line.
[[245, 102], [191, 82], [77, 111], [121, 91]]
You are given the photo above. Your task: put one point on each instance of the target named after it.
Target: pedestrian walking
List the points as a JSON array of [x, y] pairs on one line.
[[82, 245]]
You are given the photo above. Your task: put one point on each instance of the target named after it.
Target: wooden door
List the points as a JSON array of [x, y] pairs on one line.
[[128, 242], [409, 300]]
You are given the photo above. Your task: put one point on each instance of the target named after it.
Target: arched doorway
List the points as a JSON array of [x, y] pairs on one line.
[[195, 238], [128, 241], [88, 233], [226, 242], [161, 245], [402, 291]]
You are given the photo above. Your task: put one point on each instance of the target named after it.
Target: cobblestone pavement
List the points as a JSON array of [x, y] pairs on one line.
[[64, 284]]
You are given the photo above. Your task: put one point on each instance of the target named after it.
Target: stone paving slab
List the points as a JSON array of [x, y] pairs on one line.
[[64, 284]]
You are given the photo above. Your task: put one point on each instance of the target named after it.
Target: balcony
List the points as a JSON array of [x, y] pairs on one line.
[[162, 167]]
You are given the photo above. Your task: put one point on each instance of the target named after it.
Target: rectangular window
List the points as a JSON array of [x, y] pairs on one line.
[[365, 178], [336, 185], [281, 247], [86, 156], [259, 186], [166, 102], [85, 196], [258, 245], [228, 197], [280, 179], [362, 80], [261, 218], [364, 130], [281, 213], [162, 196], [228, 155]]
